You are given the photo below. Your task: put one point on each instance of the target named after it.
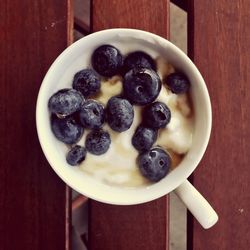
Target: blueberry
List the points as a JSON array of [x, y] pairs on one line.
[[156, 115], [97, 142], [154, 164], [144, 138], [119, 114], [92, 114], [65, 102], [138, 59], [87, 82], [141, 85], [178, 83], [67, 130], [107, 60], [76, 155]]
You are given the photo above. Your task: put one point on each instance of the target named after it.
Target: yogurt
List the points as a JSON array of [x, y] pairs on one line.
[[118, 165]]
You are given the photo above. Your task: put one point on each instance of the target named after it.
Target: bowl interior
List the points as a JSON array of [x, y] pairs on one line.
[[77, 57]]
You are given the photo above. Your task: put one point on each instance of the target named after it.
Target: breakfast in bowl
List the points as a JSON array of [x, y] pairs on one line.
[[125, 119]]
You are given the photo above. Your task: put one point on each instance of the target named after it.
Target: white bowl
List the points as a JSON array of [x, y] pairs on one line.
[[60, 75]]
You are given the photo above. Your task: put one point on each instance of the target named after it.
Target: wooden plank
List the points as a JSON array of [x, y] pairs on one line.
[[130, 227], [143, 226], [34, 202], [219, 45], [142, 14]]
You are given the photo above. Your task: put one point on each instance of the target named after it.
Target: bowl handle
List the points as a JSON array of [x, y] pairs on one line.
[[197, 204]]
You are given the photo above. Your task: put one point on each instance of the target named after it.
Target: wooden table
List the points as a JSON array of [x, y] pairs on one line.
[[35, 204]]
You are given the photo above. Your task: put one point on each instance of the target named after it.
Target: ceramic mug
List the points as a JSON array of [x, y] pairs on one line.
[[60, 75]]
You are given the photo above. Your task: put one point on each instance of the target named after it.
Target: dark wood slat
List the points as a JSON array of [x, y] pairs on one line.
[[34, 202], [219, 45], [142, 226], [142, 14], [130, 227]]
